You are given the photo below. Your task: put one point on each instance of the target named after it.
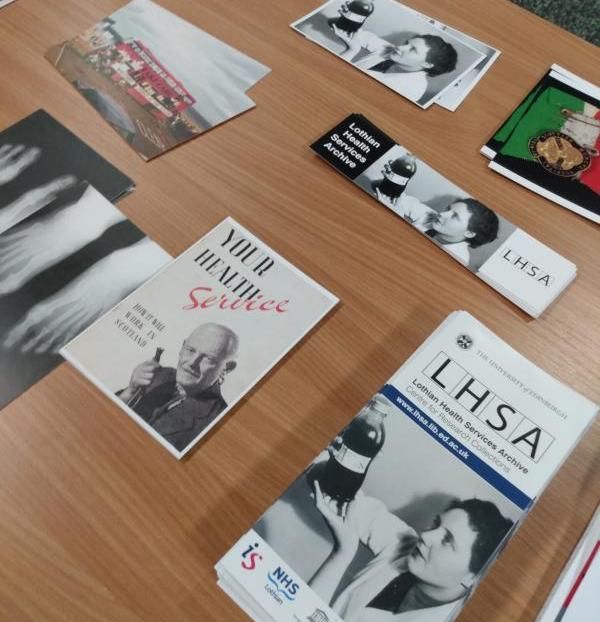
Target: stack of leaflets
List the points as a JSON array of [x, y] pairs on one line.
[[551, 142], [406, 510], [416, 56], [575, 597], [155, 78], [183, 349], [514, 263], [67, 255]]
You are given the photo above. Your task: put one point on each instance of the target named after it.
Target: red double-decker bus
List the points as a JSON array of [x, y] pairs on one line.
[[132, 65]]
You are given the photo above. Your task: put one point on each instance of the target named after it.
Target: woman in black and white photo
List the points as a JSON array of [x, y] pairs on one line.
[[393, 44], [412, 576], [463, 226], [405, 67], [410, 544]]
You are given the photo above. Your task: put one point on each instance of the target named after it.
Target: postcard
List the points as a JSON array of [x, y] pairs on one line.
[[155, 78], [61, 268], [393, 44], [182, 350]]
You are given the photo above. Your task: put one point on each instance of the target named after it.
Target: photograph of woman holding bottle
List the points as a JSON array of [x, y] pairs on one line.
[[393, 44], [458, 223], [388, 526]]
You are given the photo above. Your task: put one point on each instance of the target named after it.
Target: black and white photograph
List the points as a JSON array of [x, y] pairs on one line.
[[61, 268], [155, 78], [459, 224], [40, 159], [180, 402], [392, 44], [408, 531], [452, 98], [182, 350]]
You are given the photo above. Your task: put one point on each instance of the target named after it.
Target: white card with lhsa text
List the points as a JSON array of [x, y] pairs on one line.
[[182, 350], [514, 263]]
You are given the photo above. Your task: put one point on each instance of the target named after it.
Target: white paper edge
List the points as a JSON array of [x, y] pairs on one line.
[[487, 152], [486, 68], [570, 571], [583, 84]]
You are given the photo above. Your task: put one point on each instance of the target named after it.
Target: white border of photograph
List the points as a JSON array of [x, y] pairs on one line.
[[563, 75], [452, 99], [487, 152], [233, 401], [426, 23]]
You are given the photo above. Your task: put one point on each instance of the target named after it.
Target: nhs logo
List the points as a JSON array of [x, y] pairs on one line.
[[281, 585]]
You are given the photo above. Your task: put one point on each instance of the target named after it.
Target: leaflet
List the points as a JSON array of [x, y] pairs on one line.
[[180, 352], [514, 263], [408, 507]]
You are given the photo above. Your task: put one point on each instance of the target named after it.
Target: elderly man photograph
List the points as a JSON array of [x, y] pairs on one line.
[[179, 403]]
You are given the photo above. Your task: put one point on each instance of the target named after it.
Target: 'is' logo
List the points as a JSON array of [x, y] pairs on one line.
[[249, 557]]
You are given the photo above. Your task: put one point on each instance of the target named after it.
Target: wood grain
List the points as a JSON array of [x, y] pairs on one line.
[[97, 521]]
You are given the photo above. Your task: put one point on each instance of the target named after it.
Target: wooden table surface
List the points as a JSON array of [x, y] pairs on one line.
[[97, 521]]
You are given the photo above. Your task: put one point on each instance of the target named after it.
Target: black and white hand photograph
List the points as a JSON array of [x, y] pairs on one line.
[[40, 158], [61, 268], [392, 44]]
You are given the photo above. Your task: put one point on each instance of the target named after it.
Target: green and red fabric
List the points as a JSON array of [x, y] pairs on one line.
[[539, 113]]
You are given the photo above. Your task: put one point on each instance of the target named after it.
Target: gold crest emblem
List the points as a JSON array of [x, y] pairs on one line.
[[559, 154]]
